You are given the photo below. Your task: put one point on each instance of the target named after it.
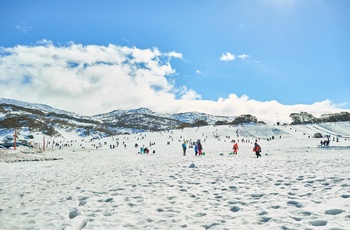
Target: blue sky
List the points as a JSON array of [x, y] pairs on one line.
[[226, 57]]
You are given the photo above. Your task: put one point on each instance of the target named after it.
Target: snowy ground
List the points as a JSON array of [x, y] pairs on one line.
[[295, 185]]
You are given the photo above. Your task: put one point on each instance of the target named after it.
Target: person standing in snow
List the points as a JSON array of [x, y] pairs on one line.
[[184, 147], [200, 148], [195, 149], [235, 148], [257, 150]]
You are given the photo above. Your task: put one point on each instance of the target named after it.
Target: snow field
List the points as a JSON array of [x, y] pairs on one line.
[[295, 185]]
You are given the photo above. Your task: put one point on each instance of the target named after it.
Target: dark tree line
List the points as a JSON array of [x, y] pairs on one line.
[[307, 118], [244, 118]]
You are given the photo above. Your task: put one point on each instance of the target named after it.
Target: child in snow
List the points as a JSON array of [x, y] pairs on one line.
[[257, 150]]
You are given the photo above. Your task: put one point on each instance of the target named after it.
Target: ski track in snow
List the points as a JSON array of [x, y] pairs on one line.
[[295, 185]]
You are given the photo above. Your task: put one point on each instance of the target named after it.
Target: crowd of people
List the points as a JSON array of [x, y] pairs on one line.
[[324, 142], [189, 143], [197, 146]]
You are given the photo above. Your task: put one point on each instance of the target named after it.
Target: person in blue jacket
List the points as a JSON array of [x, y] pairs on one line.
[[184, 147]]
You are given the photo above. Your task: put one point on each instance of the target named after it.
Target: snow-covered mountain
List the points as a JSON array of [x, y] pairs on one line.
[[32, 119], [144, 118], [16, 114], [35, 106]]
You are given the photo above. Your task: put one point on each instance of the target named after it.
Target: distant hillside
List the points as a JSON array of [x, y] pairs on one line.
[[47, 120], [44, 119]]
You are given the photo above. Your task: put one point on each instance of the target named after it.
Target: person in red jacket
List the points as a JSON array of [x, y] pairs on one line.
[[257, 150], [235, 148]]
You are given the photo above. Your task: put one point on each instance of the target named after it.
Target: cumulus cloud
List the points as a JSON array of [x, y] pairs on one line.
[[189, 94], [95, 79], [86, 79], [227, 57]]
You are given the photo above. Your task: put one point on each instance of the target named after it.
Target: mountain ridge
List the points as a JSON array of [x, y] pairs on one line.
[[15, 114]]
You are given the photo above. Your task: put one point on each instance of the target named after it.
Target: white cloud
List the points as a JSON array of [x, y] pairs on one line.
[[243, 56], [227, 57], [230, 57], [190, 94], [175, 55], [85, 79], [96, 79], [198, 72], [23, 27]]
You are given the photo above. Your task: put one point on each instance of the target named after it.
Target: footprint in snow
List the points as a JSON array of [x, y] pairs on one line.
[[235, 209], [265, 219], [318, 223], [74, 213], [257, 196], [294, 203], [296, 218], [334, 211]]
